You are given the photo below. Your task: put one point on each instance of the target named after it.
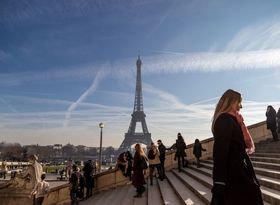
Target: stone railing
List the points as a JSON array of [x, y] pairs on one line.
[[258, 132], [113, 178], [59, 195]]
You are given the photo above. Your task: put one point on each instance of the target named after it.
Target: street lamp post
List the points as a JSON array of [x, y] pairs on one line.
[[101, 125]]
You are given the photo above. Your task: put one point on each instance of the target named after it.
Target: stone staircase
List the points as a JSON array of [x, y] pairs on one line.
[[193, 185]]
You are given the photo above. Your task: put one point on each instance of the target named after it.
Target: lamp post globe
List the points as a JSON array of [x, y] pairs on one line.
[[101, 125]]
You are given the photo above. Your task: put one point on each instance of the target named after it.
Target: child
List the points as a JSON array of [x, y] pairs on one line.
[[40, 190]]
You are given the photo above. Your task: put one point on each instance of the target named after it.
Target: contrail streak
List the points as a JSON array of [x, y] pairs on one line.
[[99, 76], [213, 62]]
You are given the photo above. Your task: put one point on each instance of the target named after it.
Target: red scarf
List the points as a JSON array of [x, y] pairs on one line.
[[250, 147]]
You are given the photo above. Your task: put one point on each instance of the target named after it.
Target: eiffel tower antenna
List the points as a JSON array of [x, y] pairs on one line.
[[138, 115]]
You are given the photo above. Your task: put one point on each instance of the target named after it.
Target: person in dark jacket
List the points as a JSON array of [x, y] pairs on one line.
[[278, 121], [271, 121], [74, 188], [234, 179], [197, 148], [88, 174], [162, 150], [180, 154], [138, 173]]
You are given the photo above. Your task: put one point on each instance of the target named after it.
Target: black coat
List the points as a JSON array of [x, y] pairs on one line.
[[180, 147], [271, 119], [162, 150], [138, 175], [197, 148], [232, 164]]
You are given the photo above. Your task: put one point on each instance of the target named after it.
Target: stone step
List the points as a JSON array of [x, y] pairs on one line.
[[269, 194], [265, 159], [266, 165], [273, 146], [201, 191], [128, 197], [269, 182], [256, 164], [269, 155], [168, 194], [208, 164], [101, 199], [267, 143], [266, 181], [120, 195], [154, 195], [268, 150], [115, 195], [267, 172], [185, 195]]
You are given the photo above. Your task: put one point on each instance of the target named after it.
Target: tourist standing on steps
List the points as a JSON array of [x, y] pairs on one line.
[[234, 179], [88, 175], [180, 154], [162, 150], [138, 172], [4, 168], [197, 148], [278, 121], [153, 156], [271, 121], [74, 185]]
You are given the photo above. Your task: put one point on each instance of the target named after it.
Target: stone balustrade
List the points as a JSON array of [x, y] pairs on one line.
[[60, 195]]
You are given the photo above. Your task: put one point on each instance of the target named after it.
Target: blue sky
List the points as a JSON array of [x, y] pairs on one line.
[[65, 66]]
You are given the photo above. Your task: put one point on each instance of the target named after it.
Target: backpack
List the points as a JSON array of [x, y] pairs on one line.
[[151, 154]]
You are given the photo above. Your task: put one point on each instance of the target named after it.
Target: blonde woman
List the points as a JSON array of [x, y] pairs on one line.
[[138, 173], [154, 162], [234, 179]]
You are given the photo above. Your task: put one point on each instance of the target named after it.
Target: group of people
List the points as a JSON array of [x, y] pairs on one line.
[[140, 162], [124, 163], [155, 161], [79, 181], [273, 121], [234, 178]]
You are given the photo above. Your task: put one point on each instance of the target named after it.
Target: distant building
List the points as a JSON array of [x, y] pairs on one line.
[[57, 150]]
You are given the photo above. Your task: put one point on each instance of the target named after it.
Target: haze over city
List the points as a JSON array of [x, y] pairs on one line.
[[66, 66]]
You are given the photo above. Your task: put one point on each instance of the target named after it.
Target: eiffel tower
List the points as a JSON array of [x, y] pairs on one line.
[[138, 115]]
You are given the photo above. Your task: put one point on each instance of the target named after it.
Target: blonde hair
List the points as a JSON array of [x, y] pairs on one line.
[[225, 104], [139, 149]]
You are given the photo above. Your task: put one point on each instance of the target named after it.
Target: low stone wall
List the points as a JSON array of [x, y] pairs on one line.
[[258, 131], [110, 179], [12, 196], [59, 195]]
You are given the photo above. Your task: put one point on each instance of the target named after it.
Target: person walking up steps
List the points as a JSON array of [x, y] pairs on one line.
[[234, 179], [197, 148], [180, 154], [162, 150], [271, 121]]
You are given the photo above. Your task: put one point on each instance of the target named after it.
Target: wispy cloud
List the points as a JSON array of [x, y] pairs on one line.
[[213, 62], [168, 63], [100, 75], [260, 36]]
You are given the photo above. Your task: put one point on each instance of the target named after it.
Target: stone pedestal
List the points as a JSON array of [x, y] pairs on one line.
[[14, 196]]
